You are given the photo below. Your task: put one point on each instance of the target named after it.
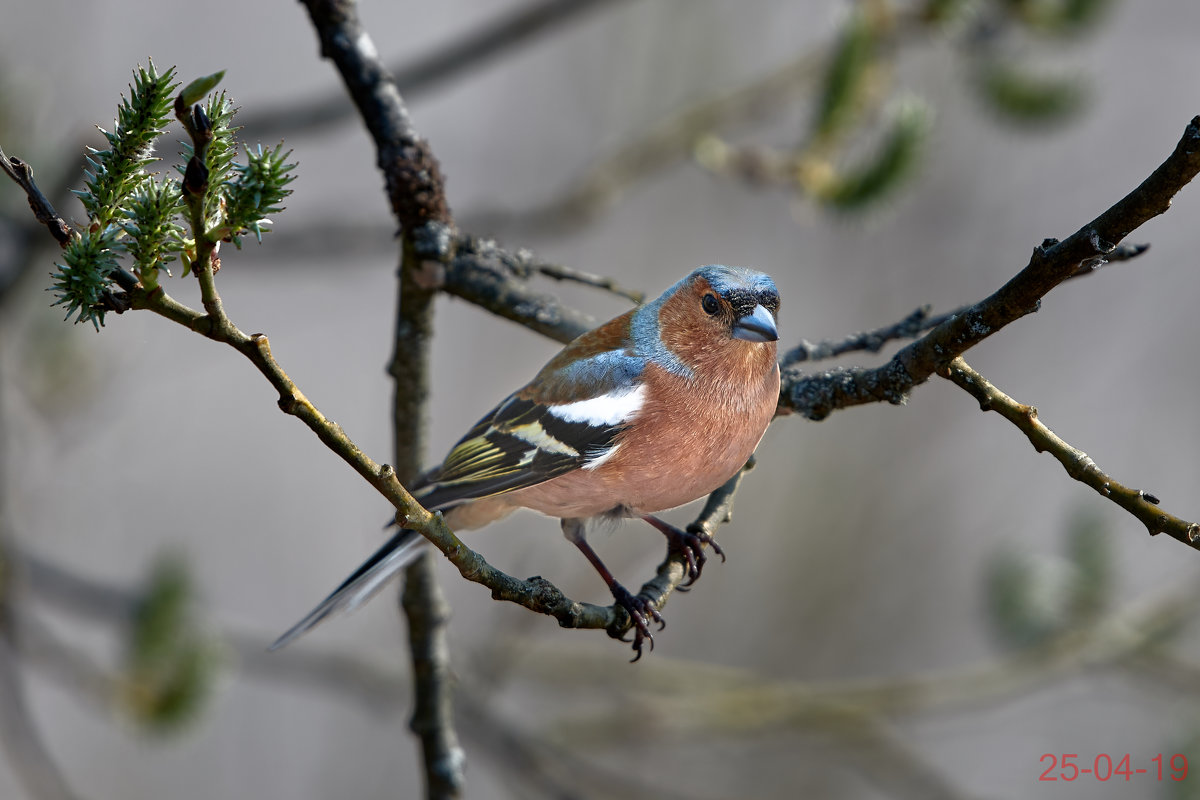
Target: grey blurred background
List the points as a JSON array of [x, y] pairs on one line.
[[860, 545]]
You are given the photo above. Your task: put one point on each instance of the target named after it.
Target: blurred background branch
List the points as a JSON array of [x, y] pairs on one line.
[[473, 51], [1076, 633], [20, 738]]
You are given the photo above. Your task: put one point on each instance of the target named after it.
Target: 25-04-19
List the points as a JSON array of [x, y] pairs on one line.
[[1066, 767]]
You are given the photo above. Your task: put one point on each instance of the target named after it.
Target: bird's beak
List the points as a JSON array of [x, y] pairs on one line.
[[757, 326]]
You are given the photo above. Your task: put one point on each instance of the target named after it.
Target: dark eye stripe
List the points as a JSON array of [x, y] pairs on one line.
[[743, 301]]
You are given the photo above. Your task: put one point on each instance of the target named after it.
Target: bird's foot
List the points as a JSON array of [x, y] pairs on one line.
[[690, 544], [641, 613]]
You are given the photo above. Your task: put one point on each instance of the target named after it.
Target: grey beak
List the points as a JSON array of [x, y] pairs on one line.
[[757, 326]]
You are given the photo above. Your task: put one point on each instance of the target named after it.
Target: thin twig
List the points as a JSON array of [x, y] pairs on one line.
[[563, 273], [482, 273], [43, 210], [536, 594], [1078, 464], [910, 327], [195, 187], [1122, 252]]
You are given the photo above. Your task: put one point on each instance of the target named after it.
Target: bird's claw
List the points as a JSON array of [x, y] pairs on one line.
[[690, 544], [641, 613]]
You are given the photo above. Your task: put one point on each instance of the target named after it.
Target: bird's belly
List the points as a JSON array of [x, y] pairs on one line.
[[641, 478]]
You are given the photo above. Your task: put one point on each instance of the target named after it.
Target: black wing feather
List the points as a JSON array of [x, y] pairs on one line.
[[519, 444]]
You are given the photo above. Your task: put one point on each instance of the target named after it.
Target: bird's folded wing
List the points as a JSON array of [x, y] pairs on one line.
[[521, 443]]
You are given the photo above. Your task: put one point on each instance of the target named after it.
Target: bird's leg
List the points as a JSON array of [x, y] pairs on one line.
[[641, 611], [690, 544]]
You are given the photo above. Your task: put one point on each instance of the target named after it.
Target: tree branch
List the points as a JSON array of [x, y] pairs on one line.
[[416, 191], [560, 272], [43, 210], [1080, 466], [482, 273], [866, 341], [536, 594], [478, 272], [817, 396]]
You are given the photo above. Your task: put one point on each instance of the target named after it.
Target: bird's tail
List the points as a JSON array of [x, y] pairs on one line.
[[368, 579]]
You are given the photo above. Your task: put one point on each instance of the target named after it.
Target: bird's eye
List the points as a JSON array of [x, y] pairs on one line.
[[709, 304]]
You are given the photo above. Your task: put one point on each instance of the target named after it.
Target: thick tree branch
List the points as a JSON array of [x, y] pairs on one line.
[[413, 177], [817, 396], [1078, 464], [416, 192], [919, 321], [482, 273]]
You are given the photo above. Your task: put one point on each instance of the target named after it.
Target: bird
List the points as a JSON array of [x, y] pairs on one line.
[[649, 411]]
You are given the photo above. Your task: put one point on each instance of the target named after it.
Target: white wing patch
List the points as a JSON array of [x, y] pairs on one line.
[[599, 458], [603, 411]]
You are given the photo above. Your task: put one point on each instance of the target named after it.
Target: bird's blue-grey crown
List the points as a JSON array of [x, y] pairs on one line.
[[733, 281]]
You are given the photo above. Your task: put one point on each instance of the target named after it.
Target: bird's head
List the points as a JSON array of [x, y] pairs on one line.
[[716, 314]]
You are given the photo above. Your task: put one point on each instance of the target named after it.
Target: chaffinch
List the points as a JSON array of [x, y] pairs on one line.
[[649, 411]]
